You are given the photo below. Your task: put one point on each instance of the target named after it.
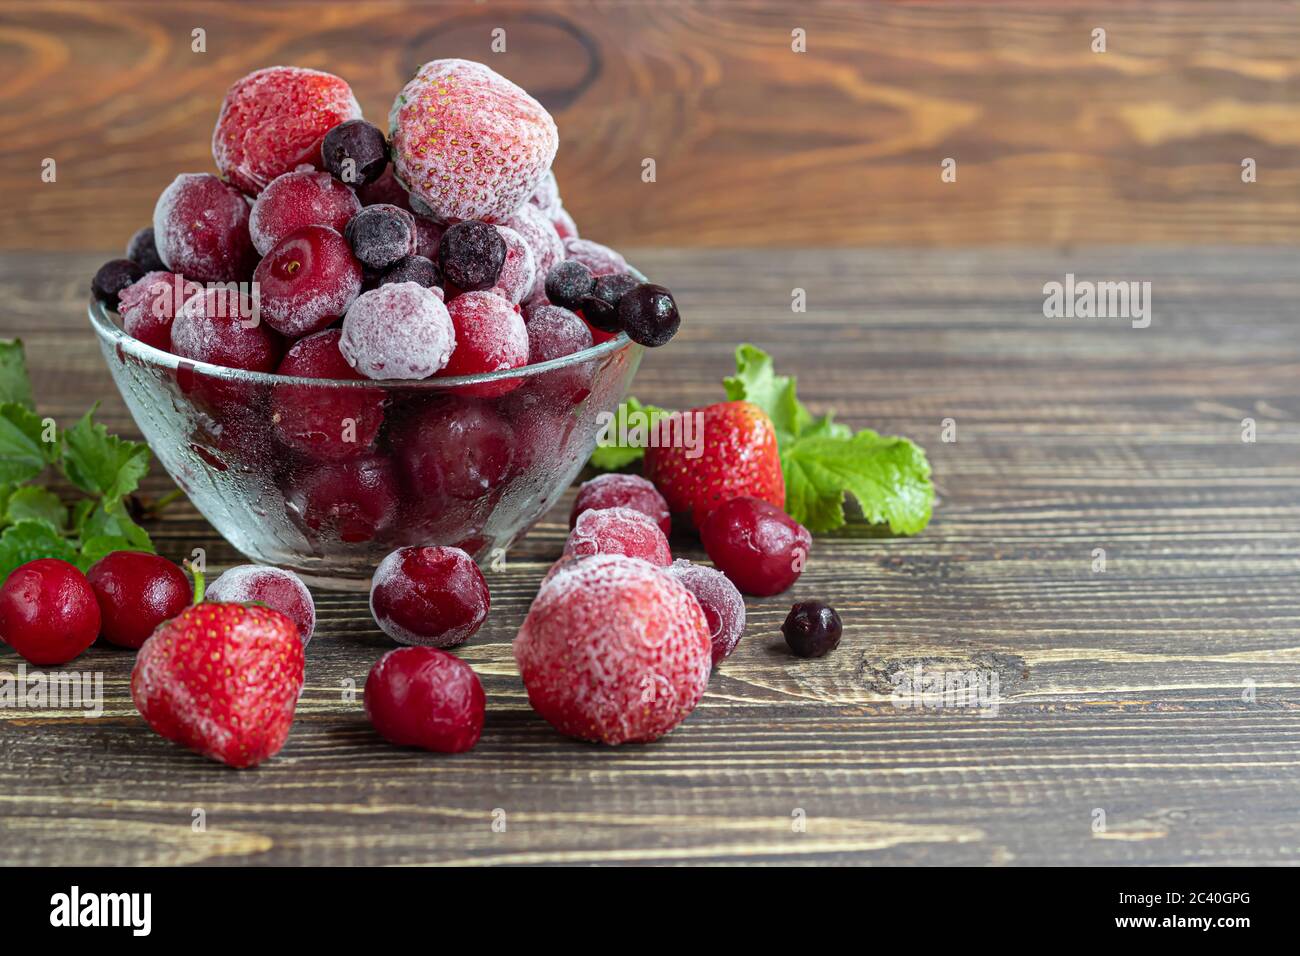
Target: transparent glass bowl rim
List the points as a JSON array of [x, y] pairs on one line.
[[102, 320]]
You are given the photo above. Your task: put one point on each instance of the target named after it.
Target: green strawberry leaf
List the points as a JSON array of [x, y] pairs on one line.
[[100, 463], [37, 504], [756, 381], [112, 521], [28, 540], [24, 452], [630, 421], [15, 386]]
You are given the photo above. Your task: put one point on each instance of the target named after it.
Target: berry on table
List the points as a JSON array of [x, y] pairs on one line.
[[614, 650], [722, 604], [615, 490], [435, 597], [618, 531], [454, 448], [569, 283], [277, 588], [756, 544], [490, 337], [518, 272], [274, 120], [350, 501], [143, 251], [294, 200], [355, 152], [136, 592], [381, 234], [112, 277], [48, 612], [307, 280], [327, 423], [200, 226], [397, 331], [424, 697], [648, 314], [471, 254], [468, 142], [812, 629], [415, 269]]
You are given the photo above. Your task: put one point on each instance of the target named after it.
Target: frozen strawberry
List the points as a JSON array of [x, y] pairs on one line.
[[518, 272], [424, 697], [546, 196], [222, 680], [297, 199], [614, 650], [722, 604], [756, 544], [397, 331], [739, 457], [307, 281], [614, 490], [618, 531], [601, 260], [273, 121], [149, 306], [48, 612], [327, 423], [431, 596], [278, 589], [542, 239], [490, 337], [468, 142], [200, 226], [350, 501]]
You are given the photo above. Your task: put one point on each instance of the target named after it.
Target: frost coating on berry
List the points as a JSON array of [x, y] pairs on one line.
[[297, 199], [722, 604], [564, 224], [148, 307], [200, 227], [546, 196], [490, 337], [397, 331], [548, 248], [278, 589], [554, 332], [614, 650], [307, 280], [601, 260], [519, 272], [468, 142], [274, 119], [618, 531], [614, 490], [218, 325], [434, 596]]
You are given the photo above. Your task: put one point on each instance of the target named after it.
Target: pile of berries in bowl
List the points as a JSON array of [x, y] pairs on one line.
[[349, 342]]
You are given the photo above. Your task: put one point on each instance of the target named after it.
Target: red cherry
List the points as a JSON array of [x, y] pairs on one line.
[[756, 544], [136, 592], [48, 612], [350, 501], [328, 423], [424, 697], [490, 337], [454, 448], [431, 596], [307, 280]]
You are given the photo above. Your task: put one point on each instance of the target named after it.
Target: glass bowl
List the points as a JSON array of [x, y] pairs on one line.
[[469, 461]]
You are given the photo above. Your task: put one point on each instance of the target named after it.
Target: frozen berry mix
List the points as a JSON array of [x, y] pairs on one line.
[[276, 588], [424, 697], [614, 490], [136, 592], [722, 604], [307, 281], [756, 544], [114, 276], [297, 199], [434, 597], [490, 337], [48, 612], [355, 152], [200, 225], [397, 331], [618, 531], [471, 255], [328, 424], [812, 629]]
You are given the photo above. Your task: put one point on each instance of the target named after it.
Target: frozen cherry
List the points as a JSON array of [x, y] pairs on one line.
[[136, 592], [569, 283], [326, 422], [278, 589], [381, 234], [143, 251], [756, 544], [547, 246], [200, 227], [398, 331], [812, 629], [48, 612], [350, 501], [722, 604], [415, 269], [546, 196], [471, 254], [424, 697], [112, 277], [302, 198], [434, 597], [554, 332], [649, 315], [564, 225], [490, 337], [307, 281], [355, 151], [519, 270], [614, 490], [454, 448], [601, 260], [220, 326], [149, 306], [618, 531]]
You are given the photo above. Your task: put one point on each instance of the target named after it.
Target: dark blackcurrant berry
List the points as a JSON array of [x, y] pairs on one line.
[[611, 289], [599, 314], [114, 276], [413, 269], [355, 152], [568, 283], [812, 629], [143, 251], [649, 315], [471, 254], [380, 235]]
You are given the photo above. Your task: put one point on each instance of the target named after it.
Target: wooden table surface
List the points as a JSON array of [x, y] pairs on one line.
[[1121, 692]]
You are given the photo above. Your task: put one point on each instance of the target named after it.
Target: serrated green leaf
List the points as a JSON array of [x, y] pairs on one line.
[[114, 522], [29, 540], [100, 463], [611, 453], [36, 504], [23, 451], [889, 477], [15, 385], [756, 381]]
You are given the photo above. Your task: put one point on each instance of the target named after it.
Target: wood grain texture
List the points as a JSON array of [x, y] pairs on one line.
[[1121, 691], [754, 144]]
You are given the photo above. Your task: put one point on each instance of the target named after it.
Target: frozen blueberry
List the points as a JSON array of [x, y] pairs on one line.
[[413, 269], [471, 254], [568, 283], [355, 152], [649, 315], [143, 251], [812, 629], [114, 276], [381, 234]]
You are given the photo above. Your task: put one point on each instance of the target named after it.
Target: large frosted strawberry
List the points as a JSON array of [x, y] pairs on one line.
[[739, 457]]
